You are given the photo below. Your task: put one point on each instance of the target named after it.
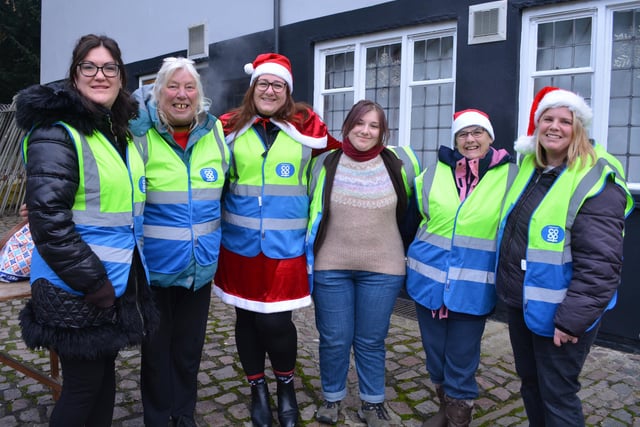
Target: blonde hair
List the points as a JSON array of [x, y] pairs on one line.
[[580, 147]]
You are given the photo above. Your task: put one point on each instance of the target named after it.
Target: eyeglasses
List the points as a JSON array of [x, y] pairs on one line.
[[476, 133], [89, 69], [263, 85]]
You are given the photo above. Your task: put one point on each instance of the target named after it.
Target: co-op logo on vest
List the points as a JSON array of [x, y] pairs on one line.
[[142, 184], [552, 234], [285, 170], [209, 174]]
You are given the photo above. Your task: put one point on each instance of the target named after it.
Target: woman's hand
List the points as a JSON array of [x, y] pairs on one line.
[[560, 338]]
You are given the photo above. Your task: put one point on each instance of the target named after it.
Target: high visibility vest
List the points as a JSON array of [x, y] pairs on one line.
[[266, 208], [108, 207], [182, 213], [410, 169], [452, 259], [548, 257]]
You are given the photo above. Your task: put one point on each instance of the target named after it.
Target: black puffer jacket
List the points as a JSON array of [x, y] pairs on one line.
[[596, 250], [75, 326]]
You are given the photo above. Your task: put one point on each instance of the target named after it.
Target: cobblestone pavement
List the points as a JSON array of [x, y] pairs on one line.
[[610, 380]]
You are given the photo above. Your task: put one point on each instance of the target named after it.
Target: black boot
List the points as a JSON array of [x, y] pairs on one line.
[[260, 408], [287, 404]]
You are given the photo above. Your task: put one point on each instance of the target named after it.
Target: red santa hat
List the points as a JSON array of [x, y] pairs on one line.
[[471, 117], [270, 63], [551, 97]]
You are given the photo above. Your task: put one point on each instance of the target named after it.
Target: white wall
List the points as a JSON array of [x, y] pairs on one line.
[[149, 28]]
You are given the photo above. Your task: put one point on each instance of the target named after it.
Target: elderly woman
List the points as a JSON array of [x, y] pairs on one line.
[[452, 259], [560, 253], [186, 159]]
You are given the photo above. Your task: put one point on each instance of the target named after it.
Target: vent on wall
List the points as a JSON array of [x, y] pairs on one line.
[[488, 22], [198, 47]]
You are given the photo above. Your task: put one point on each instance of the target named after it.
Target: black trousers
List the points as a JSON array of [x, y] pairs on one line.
[[171, 357], [259, 334], [88, 393]]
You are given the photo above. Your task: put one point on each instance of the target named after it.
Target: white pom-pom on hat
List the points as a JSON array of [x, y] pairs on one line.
[[248, 68]]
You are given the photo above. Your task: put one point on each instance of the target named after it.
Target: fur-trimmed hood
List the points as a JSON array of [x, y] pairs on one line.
[[43, 105]]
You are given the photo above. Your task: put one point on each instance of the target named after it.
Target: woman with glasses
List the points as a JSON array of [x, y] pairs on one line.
[[262, 269], [186, 160], [451, 262], [85, 196]]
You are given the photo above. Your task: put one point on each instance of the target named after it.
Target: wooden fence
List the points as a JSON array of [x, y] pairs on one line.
[[12, 172]]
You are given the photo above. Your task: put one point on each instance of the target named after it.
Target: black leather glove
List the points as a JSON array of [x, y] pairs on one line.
[[104, 297]]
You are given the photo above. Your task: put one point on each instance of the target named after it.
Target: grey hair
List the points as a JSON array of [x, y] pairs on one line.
[[169, 67]]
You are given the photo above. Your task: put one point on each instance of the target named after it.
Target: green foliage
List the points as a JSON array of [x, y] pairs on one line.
[[19, 46]]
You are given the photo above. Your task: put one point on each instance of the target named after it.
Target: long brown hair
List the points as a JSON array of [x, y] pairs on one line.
[[291, 111], [124, 108]]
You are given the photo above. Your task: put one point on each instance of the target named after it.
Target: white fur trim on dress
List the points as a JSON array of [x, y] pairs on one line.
[[309, 141]]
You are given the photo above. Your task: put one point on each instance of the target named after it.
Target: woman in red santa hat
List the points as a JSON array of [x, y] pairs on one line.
[[262, 267], [560, 253]]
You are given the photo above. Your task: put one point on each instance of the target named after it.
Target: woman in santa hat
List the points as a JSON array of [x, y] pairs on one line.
[[262, 266], [450, 263], [560, 253]]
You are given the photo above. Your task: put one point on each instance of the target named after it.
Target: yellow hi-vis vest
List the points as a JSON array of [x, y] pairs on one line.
[[452, 259], [107, 210], [548, 258], [182, 213], [266, 208]]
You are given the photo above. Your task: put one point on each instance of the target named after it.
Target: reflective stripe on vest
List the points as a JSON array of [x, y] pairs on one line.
[[266, 207], [183, 201], [452, 259], [549, 263], [107, 209]]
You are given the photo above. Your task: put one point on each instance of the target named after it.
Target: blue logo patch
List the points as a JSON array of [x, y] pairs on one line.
[[285, 170], [142, 184], [209, 174], [553, 234]]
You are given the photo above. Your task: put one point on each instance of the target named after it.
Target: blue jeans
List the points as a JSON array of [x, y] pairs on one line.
[[452, 347], [549, 374], [353, 308]]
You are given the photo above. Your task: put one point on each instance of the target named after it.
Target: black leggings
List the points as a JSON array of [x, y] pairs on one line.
[[259, 334], [88, 393]]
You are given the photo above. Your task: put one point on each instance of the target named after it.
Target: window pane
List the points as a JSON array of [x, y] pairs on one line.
[[431, 120], [624, 102], [564, 44], [336, 107], [382, 83], [339, 70]]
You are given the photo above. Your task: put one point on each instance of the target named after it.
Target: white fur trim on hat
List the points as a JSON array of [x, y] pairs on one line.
[[271, 68], [565, 98], [470, 117]]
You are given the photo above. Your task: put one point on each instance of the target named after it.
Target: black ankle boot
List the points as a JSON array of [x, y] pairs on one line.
[[287, 404], [260, 408]]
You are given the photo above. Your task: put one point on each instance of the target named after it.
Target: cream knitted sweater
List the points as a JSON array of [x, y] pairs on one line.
[[362, 231]]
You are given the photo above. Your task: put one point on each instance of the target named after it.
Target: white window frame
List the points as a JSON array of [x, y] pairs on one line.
[[601, 13], [358, 45]]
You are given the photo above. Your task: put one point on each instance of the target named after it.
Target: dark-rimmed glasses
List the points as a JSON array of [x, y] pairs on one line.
[[476, 133], [263, 85], [89, 69]]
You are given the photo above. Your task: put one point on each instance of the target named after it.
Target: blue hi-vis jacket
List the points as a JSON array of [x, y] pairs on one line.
[[452, 260], [548, 258], [266, 208], [108, 208]]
